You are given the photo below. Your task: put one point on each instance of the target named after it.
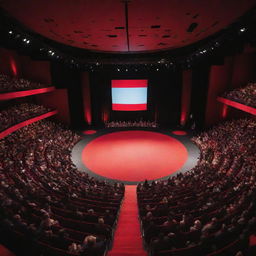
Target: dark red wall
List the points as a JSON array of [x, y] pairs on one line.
[[244, 69], [38, 71], [9, 63], [219, 82], [86, 97], [186, 96], [57, 99], [236, 72], [13, 64]]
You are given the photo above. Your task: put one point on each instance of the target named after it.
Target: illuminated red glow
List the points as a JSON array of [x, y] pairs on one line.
[[224, 111], [177, 132], [86, 98], [25, 123], [105, 115], [186, 94], [183, 118], [88, 117], [13, 95], [13, 67], [237, 105], [129, 107], [131, 83], [88, 132]]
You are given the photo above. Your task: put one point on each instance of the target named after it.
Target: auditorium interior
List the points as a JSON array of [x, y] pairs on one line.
[[127, 128]]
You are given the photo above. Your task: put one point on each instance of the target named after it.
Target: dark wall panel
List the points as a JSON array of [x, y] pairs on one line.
[[70, 79], [164, 97], [200, 81]]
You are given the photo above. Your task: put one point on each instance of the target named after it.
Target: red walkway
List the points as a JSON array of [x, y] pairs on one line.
[[127, 238]]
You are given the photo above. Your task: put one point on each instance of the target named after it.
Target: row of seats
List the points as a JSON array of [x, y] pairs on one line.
[[245, 95], [12, 84], [211, 209], [19, 113], [48, 207]]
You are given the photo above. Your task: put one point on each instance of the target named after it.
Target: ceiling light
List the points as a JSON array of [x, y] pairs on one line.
[[242, 29], [10, 32]]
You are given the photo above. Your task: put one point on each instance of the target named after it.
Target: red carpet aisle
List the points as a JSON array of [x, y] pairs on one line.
[[127, 239], [5, 252]]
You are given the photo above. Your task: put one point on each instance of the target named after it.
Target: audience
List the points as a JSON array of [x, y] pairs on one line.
[[42, 193], [244, 95], [48, 203], [12, 84], [140, 123], [210, 206], [19, 113]]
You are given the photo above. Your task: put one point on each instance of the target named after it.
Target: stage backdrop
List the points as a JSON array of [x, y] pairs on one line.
[[161, 101]]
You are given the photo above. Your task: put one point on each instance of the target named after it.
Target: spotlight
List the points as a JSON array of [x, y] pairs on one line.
[[157, 69], [28, 41], [10, 32], [126, 70], [242, 29], [24, 39], [118, 69]]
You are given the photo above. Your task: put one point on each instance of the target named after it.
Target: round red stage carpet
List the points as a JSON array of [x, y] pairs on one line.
[[134, 155]]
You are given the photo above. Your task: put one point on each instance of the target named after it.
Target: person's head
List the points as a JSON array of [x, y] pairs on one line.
[[149, 215], [197, 224], [214, 220], [17, 217], [91, 211], [90, 240], [171, 235], [100, 220]]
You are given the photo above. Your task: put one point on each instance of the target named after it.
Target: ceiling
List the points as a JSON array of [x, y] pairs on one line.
[[126, 26]]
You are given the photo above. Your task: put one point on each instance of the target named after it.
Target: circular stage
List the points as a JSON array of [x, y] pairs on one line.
[[131, 156]]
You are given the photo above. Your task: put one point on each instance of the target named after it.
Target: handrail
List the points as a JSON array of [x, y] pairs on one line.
[[19, 94], [237, 105], [26, 122]]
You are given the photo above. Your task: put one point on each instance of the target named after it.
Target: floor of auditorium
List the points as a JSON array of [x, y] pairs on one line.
[[131, 156]]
